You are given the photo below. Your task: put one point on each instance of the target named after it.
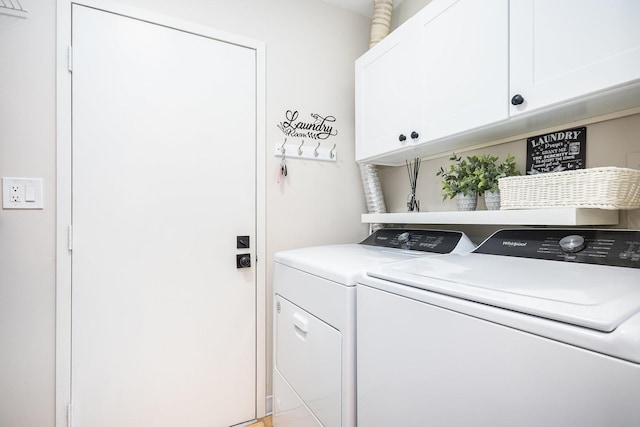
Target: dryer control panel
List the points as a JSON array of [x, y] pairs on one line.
[[436, 241], [603, 247]]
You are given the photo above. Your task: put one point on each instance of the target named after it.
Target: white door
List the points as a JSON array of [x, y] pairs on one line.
[[164, 143], [561, 50]]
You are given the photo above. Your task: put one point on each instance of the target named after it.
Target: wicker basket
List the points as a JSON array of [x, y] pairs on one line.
[[603, 188]]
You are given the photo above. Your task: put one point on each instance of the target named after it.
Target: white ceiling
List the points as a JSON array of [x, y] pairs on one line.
[[362, 7]]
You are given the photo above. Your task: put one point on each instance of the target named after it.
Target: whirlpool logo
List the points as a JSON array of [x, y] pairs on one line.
[[514, 244]]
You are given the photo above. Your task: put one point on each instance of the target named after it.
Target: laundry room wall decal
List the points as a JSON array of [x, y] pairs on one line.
[[319, 127], [307, 138]]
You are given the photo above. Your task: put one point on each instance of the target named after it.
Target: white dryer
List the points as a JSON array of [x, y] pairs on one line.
[[314, 380], [535, 327]]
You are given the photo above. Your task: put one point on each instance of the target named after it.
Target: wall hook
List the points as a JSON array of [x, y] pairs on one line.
[[313, 152]]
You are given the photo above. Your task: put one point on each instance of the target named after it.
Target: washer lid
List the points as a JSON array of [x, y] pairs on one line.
[[593, 296]]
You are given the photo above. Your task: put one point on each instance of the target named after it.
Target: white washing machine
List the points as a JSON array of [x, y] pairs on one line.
[[314, 321], [535, 327]]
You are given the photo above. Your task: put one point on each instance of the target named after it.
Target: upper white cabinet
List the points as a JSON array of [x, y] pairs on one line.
[[563, 50], [464, 72], [385, 90], [442, 72], [460, 47]]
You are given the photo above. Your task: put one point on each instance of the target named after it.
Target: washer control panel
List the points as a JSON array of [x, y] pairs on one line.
[[604, 247], [436, 241]]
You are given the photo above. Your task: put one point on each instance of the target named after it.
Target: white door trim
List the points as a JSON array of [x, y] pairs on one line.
[[64, 195]]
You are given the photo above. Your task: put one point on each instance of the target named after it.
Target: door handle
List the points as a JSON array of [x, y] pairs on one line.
[[301, 324], [243, 261]]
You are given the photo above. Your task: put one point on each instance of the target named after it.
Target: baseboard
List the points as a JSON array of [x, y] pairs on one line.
[[269, 405]]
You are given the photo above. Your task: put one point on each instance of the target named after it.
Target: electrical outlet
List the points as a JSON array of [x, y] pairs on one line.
[[633, 160], [14, 193], [22, 193]]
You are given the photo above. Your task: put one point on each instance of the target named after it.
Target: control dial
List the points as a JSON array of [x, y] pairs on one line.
[[404, 237], [572, 243]]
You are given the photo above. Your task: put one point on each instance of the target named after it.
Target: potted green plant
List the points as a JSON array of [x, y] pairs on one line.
[[468, 178], [492, 171], [460, 181]]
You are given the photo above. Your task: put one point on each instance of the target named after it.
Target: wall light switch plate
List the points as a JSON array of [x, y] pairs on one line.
[[21, 193]]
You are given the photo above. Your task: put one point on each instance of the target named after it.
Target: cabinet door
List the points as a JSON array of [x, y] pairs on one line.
[[384, 97], [561, 51], [462, 48]]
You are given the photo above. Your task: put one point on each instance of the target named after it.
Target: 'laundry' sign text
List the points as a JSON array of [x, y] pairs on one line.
[[320, 128], [557, 151]]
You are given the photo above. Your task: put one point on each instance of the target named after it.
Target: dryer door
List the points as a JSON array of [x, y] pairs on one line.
[[308, 355]]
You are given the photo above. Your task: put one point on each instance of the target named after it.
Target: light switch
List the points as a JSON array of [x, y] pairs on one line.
[[29, 193]]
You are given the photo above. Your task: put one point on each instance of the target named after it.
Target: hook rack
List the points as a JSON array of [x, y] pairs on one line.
[[13, 8], [305, 150]]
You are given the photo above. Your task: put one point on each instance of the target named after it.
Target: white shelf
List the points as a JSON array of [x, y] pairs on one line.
[[556, 216]]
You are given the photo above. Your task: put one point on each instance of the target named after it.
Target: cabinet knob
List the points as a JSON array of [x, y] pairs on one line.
[[517, 99], [414, 135], [402, 138]]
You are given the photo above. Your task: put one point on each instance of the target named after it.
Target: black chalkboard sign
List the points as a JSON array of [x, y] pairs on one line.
[[557, 151]]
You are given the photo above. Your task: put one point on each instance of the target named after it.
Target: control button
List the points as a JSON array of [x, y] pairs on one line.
[[572, 243]]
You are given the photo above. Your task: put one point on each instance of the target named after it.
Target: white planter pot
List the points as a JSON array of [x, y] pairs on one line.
[[492, 200], [467, 203]]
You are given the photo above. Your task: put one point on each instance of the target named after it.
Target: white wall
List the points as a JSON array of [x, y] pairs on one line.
[[311, 48], [406, 10], [27, 251]]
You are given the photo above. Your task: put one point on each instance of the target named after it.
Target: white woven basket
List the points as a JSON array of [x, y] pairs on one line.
[[603, 188]]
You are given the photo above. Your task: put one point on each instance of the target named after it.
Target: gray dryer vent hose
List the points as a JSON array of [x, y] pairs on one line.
[[369, 173]]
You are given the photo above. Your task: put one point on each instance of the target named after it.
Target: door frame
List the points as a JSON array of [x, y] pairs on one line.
[[64, 190]]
